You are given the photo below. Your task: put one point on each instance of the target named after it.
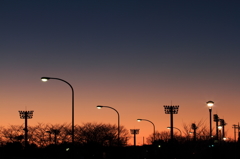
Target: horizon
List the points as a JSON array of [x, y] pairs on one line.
[[133, 56]]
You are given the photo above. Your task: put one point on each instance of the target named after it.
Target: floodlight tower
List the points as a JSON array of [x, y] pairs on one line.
[[171, 110], [134, 132], [26, 115]]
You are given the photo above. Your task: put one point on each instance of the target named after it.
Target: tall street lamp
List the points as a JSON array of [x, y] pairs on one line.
[[210, 105], [171, 110], [152, 124], [45, 79], [100, 107]]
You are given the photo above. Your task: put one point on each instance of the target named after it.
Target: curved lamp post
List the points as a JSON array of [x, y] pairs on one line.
[[139, 120], [45, 79], [210, 105], [100, 107], [175, 128]]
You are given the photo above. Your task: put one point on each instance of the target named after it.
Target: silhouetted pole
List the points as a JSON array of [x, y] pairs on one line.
[[238, 133], [45, 79], [100, 107], [134, 132], [26, 115], [152, 124], [222, 123], [216, 119], [194, 127], [171, 110], [220, 132], [234, 128], [210, 104]]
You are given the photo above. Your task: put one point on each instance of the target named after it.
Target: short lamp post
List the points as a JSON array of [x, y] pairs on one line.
[[100, 107], [50, 136], [220, 132], [55, 132], [171, 110], [222, 124], [26, 115], [234, 128], [194, 127], [177, 129], [154, 135], [210, 105]]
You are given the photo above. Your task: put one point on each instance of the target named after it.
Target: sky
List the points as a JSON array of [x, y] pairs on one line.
[[133, 55]]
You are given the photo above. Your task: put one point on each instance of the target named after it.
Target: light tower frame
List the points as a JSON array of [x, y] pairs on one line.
[[26, 115], [171, 110]]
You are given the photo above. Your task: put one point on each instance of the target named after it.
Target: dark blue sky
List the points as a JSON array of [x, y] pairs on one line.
[[185, 51]]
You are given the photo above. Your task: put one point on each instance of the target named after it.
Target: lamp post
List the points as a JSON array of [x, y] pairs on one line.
[[171, 110], [210, 104], [234, 128], [100, 107], [26, 115], [216, 119], [220, 131], [177, 129], [45, 79], [222, 123], [152, 124]]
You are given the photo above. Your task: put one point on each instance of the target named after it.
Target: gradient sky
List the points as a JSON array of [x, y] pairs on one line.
[[133, 55]]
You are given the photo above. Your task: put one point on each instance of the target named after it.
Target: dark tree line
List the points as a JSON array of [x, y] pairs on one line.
[[98, 140], [43, 135]]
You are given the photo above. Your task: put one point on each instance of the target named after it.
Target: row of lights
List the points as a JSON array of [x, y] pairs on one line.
[[45, 79]]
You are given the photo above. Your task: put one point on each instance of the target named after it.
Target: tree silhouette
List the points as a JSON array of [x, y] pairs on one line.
[[102, 134]]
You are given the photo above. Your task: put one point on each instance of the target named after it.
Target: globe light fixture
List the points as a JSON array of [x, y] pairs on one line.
[[210, 105]]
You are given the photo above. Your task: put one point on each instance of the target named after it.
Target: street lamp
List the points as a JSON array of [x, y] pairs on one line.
[[26, 115], [100, 107], [171, 110], [177, 129], [222, 123], [220, 131], [152, 124], [210, 105], [45, 79]]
